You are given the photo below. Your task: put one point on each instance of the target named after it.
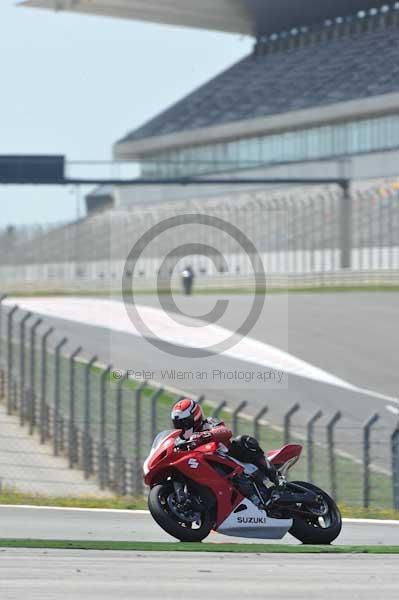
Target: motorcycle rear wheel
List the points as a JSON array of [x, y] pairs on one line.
[[169, 522], [310, 529]]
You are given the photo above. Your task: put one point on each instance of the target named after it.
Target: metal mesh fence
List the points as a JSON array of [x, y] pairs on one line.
[[304, 231], [68, 427], [341, 472]]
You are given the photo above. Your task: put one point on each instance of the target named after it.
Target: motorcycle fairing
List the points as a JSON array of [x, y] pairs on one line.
[[205, 474], [250, 522], [163, 438], [200, 465], [164, 460], [284, 454]]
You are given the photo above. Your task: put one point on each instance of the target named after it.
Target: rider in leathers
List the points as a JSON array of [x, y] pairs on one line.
[[188, 416]]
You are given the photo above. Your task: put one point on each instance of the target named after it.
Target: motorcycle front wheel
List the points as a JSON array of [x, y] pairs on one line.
[[314, 527], [186, 526]]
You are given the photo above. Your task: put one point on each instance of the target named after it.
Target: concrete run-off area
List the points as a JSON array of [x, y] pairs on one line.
[[28, 466]]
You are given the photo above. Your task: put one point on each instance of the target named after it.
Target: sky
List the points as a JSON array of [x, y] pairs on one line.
[[75, 84]]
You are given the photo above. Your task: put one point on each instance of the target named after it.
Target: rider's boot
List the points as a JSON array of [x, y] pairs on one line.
[[266, 470]]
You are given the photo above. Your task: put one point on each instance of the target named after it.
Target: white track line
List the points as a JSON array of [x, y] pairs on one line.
[[112, 315], [371, 521], [147, 512]]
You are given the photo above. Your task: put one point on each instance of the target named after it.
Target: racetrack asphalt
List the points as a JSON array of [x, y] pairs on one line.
[[351, 334], [77, 574], [112, 525], [58, 574]]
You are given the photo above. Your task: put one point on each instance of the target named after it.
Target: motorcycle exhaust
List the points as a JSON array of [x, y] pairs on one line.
[[303, 496]]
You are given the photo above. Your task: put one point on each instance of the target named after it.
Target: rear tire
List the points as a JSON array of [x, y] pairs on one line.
[[309, 530], [169, 523]]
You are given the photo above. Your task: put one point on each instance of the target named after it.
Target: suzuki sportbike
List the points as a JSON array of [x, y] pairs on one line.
[[195, 491]]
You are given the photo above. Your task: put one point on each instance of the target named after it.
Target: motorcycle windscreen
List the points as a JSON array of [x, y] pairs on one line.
[[160, 438]]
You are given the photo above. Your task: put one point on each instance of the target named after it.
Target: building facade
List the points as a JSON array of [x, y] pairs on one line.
[[317, 97], [322, 101]]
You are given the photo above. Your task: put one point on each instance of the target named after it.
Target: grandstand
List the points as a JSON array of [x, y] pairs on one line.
[[317, 97], [321, 101], [321, 86]]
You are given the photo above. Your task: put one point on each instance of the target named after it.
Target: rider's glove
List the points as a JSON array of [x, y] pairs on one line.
[[200, 438]]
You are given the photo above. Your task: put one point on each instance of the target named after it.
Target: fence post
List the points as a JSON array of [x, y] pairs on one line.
[[331, 452], [154, 406], [87, 445], [22, 363], [287, 422], [16, 386], [43, 392], [119, 459], [14, 395], [103, 478], [2, 384], [236, 412], [366, 458], [257, 420], [218, 409], [310, 441], [56, 415], [62, 433], [138, 470], [395, 466], [2, 297], [72, 437], [32, 386], [10, 365]]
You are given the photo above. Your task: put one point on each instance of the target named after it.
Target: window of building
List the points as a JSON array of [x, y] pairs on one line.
[[352, 137]]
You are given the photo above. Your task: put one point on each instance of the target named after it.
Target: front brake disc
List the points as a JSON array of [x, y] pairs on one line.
[[186, 516]]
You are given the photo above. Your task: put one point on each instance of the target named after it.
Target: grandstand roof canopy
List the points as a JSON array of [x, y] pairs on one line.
[[253, 17], [259, 93]]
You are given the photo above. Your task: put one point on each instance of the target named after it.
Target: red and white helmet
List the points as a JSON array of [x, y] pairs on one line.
[[187, 415]]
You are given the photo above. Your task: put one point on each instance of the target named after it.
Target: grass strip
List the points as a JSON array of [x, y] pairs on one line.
[[373, 512], [219, 291], [195, 547], [15, 498]]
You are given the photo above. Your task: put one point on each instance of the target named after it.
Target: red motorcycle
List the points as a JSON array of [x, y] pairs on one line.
[[195, 491]]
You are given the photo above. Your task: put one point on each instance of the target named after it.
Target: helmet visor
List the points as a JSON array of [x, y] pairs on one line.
[[187, 423]]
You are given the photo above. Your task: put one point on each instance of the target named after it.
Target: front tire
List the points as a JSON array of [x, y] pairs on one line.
[[309, 529], [169, 522]]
